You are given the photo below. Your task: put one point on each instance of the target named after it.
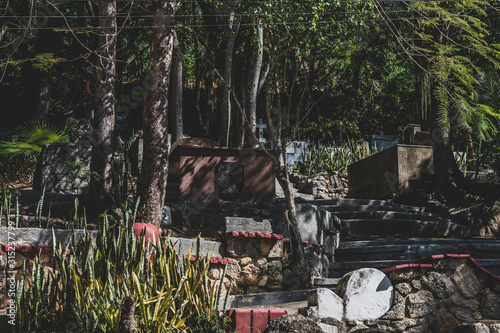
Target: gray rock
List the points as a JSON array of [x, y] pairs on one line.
[[469, 303], [420, 304], [466, 280], [472, 328], [491, 306], [404, 288], [359, 328], [463, 315], [422, 328], [480, 328], [494, 328], [341, 326], [397, 312], [294, 323], [444, 321], [439, 284]]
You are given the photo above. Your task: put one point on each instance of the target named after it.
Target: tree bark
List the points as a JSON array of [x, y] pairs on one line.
[[253, 82], [177, 87], [226, 88], [104, 116], [44, 96], [153, 178]]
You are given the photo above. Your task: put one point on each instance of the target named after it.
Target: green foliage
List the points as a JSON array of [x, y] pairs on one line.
[[87, 289], [43, 61], [328, 129], [321, 158], [453, 38], [33, 136], [209, 324]]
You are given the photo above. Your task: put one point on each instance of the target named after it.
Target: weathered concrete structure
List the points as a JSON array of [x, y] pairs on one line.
[[390, 172], [200, 173], [64, 168]]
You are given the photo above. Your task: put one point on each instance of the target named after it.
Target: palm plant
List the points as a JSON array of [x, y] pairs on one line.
[[33, 135]]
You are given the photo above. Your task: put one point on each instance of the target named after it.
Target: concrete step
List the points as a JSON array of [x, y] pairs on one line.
[[326, 282], [385, 215], [379, 252], [420, 241], [370, 208], [413, 251], [492, 265], [358, 202], [403, 228], [339, 269]]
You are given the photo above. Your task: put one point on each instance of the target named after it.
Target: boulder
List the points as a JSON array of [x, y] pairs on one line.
[[367, 293]]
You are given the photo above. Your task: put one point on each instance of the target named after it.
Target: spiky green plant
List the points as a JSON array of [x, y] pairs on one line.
[[321, 158], [90, 281], [33, 135]]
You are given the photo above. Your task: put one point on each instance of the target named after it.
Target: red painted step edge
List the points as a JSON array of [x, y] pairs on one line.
[[252, 321], [253, 234], [441, 256]]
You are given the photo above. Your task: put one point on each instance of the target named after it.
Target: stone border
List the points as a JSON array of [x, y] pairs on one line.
[[442, 256], [40, 236], [268, 298], [35, 239]]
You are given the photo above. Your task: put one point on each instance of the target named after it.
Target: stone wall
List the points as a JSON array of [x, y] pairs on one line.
[[320, 186], [64, 168], [451, 294]]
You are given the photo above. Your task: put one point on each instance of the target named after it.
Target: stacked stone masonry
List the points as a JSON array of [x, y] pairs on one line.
[[449, 294]]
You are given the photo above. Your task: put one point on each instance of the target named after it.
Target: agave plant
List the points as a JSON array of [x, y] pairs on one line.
[[33, 135]]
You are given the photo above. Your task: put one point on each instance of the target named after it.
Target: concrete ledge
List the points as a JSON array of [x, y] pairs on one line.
[[39, 236], [182, 245], [269, 298]]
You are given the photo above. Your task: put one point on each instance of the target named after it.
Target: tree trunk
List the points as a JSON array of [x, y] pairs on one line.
[[44, 96], [104, 116], [253, 82], [425, 103], [153, 178], [226, 88], [177, 86]]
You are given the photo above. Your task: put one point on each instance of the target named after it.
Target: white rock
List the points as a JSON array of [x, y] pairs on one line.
[[367, 294], [329, 304]]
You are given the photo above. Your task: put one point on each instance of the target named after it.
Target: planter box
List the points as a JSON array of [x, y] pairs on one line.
[[390, 172]]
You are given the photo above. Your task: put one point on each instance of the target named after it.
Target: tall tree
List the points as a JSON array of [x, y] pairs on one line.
[[177, 85], [153, 178], [447, 41], [103, 138], [227, 82]]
